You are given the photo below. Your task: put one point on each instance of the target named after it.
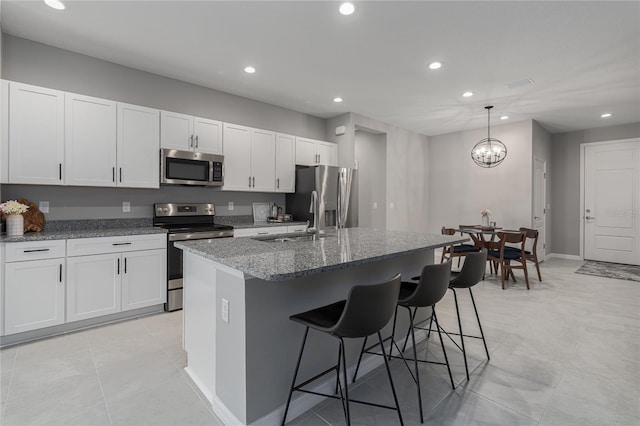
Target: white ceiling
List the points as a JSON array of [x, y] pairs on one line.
[[583, 56]]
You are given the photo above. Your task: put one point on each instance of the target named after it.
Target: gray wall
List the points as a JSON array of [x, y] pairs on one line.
[[42, 65], [371, 155], [541, 140], [565, 192]]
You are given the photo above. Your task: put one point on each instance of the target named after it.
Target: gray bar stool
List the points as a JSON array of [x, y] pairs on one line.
[[366, 311], [431, 287], [471, 274]]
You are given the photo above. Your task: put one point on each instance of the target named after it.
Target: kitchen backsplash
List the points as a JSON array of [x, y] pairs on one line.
[[70, 203]]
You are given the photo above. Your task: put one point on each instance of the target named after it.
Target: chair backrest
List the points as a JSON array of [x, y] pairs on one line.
[[531, 234], [472, 271], [433, 285], [447, 231], [368, 309]]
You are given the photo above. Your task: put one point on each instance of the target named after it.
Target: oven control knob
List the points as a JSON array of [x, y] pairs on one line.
[[159, 209], [165, 210]]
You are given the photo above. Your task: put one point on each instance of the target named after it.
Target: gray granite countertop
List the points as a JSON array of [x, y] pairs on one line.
[[240, 222], [278, 261], [89, 228]]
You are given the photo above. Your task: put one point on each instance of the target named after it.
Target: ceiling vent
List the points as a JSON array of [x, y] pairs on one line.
[[520, 83]]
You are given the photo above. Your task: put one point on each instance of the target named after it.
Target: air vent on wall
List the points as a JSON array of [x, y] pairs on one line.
[[520, 83]]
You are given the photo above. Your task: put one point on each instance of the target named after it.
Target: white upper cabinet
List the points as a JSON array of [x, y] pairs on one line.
[[187, 133], [138, 147], [90, 141], [285, 162], [250, 159], [310, 152], [36, 135], [4, 131]]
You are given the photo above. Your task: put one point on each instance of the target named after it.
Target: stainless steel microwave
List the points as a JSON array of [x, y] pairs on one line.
[[191, 168]]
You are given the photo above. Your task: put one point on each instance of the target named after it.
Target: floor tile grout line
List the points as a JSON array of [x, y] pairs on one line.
[[95, 366]]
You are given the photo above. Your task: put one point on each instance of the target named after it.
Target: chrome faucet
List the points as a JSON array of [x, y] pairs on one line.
[[313, 208]]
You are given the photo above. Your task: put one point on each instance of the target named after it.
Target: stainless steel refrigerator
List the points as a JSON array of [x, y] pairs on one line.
[[323, 195]]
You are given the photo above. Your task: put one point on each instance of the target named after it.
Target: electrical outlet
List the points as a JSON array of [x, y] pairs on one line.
[[225, 310], [43, 206], [126, 207], [230, 205], [375, 205]]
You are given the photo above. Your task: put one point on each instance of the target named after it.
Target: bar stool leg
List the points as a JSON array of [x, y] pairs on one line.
[[338, 369], [393, 388], [464, 352], [346, 386], [415, 362], [295, 375], [364, 345], [406, 338], [434, 317], [479, 325], [393, 331]]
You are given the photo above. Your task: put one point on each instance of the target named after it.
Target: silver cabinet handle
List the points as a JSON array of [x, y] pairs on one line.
[[196, 141], [278, 183], [589, 217], [191, 141]]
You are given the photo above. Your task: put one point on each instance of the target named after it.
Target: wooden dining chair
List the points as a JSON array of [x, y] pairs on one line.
[[457, 250], [503, 256], [532, 234]]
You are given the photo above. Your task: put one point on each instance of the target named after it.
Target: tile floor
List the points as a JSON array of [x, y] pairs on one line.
[[566, 352]]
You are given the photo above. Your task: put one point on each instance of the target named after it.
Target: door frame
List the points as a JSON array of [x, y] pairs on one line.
[[544, 204], [583, 147]]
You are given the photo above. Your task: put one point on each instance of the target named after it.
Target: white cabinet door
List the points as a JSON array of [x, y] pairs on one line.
[[138, 148], [90, 141], [237, 158], [285, 163], [327, 153], [33, 295], [93, 286], [208, 135], [36, 135], [4, 131], [306, 152], [263, 160], [176, 131], [144, 279]]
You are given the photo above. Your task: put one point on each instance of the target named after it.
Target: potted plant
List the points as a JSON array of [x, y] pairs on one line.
[[15, 221]]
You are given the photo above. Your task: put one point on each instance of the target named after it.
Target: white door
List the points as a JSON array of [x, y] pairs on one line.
[[237, 158], [36, 135], [285, 163], [138, 148], [176, 131], [327, 153], [612, 202], [144, 278], [539, 204], [263, 160], [36, 291], [306, 152], [90, 141], [208, 135], [93, 286]]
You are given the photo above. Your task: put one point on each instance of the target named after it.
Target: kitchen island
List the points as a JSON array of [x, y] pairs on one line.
[[239, 294]]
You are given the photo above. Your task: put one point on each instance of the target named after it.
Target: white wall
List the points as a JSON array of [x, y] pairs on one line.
[[406, 168], [541, 140], [371, 155], [459, 189]]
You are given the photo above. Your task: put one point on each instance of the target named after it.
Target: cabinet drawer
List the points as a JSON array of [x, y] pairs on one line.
[[296, 228], [252, 232], [34, 250], [89, 246]]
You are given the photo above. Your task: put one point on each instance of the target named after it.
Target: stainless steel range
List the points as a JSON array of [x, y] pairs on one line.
[[184, 222]]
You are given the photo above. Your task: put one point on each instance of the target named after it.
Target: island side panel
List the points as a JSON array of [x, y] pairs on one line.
[[273, 341]]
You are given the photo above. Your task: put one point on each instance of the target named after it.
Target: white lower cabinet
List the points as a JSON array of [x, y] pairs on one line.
[[144, 279], [267, 230], [93, 286], [33, 289]]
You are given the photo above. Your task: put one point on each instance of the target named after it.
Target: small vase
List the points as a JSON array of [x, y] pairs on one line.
[[15, 225], [484, 221]]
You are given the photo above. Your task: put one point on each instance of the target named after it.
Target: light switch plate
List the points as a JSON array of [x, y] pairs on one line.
[[43, 206], [225, 310], [126, 207], [230, 205]]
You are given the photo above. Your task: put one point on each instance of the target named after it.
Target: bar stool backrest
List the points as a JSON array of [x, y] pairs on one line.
[[368, 309], [433, 285], [472, 271]]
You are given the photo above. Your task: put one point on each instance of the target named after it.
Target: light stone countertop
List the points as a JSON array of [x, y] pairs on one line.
[[279, 261], [80, 233]]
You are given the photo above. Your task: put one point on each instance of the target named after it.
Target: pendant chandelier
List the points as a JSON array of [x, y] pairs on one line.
[[489, 152]]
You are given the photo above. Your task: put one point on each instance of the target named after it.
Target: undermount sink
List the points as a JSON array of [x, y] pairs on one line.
[[293, 238]]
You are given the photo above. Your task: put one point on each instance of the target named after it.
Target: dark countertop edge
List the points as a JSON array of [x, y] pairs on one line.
[[76, 234], [328, 268]]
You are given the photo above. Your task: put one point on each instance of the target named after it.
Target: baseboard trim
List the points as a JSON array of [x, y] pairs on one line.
[[563, 256]]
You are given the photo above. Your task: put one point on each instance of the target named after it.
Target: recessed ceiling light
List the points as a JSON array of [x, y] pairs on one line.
[[347, 8], [435, 65], [467, 94], [55, 4], [606, 115], [249, 70], [337, 100], [504, 117]]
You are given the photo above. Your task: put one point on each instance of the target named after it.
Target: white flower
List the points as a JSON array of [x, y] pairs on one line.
[[485, 212], [13, 207]]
